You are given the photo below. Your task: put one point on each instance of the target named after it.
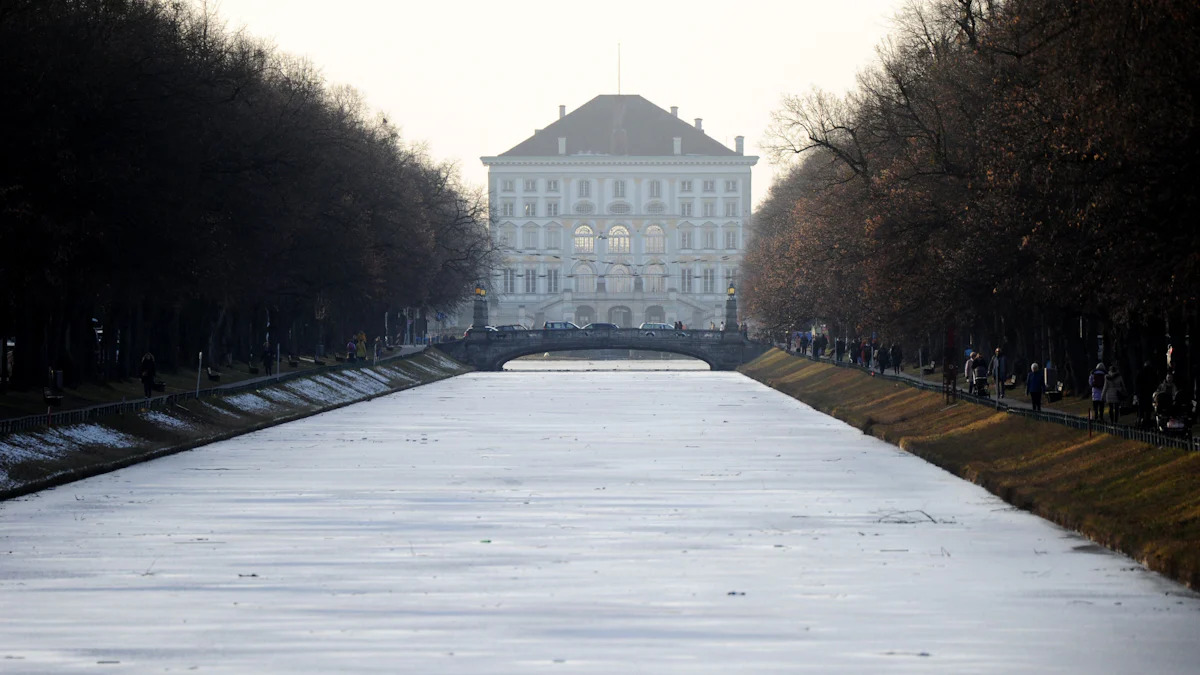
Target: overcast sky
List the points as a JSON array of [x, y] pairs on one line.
[[474, 78]]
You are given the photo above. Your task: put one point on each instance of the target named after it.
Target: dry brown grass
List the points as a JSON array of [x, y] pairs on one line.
[[1135, 498]]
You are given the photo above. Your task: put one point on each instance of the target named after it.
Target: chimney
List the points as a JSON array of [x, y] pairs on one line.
[[674, 111], [699, 124], [562, 111], [740, 144], [679, 145], [562, 145]]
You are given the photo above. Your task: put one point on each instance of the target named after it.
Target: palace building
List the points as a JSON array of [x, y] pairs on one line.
[[618, 211]]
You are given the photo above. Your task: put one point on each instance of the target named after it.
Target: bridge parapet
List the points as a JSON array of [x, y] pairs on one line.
[[488, 350]]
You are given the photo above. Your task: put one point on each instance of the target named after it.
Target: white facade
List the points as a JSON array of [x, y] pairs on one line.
[[624, 239]]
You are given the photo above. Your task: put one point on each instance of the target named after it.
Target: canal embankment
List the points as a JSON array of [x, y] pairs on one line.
[[1132, 497], [41, 458]]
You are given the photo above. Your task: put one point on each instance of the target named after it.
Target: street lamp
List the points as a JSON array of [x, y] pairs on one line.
[[730, 292]]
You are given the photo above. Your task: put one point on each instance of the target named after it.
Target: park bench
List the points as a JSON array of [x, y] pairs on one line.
[[51, 397], [158, 385], [293, 361], [213, 375]]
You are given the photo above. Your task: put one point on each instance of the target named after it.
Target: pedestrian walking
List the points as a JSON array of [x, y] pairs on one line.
[[1035, 386], [1113, 393], [998, 368], [882, 360], [360, 351], [147, 373], [350, 349], [267, 361], [1096, 381], [839, 349], [897, 358]]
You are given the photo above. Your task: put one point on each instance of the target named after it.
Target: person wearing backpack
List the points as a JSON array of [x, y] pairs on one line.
[[1096, 380], [1113, 393]]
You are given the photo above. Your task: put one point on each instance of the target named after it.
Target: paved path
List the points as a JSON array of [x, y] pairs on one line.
[[665, 522]]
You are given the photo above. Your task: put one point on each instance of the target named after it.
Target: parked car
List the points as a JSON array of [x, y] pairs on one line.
[[487, 329], [602, 326], [512, 326], [653, 329], [559, 325]]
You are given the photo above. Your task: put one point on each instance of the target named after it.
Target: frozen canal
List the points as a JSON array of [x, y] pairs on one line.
[[582, 522]]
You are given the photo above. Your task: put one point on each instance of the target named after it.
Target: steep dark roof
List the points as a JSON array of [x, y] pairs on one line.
[[612, 124]]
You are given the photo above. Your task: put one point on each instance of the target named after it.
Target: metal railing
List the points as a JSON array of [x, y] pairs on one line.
[[1155, 438], [603, 335], [96, 412]]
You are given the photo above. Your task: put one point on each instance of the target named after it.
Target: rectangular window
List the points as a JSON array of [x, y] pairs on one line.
[[552, 209], [655, 189], [685, 186], [506, 185], [531, 186], [531, 281], [510, 281], [530, 238], [619, 189], [530, 209], [506, 208], [551, 186], [552, 281], [554, 238], [709, 209], [685, 209], [656, 244], [710, 239], [731, 240], [710, 280], [585, 188], [685, 239], [710, 186], [687, 280], [731, 186], [731, 209]]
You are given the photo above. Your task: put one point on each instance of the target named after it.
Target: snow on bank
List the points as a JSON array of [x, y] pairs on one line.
[[299, 395]]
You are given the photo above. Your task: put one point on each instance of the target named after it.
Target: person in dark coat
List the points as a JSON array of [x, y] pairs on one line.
[[1146, 384], [1035, 386], [267, 360], [147, 372], [998, 368], [896, 357], [881, 358]]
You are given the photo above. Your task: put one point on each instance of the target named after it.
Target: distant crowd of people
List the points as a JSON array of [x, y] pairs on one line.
[[1154, 396]]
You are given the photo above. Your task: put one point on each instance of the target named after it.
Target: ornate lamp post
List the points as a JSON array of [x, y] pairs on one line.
[[731, 322], [481, 312]]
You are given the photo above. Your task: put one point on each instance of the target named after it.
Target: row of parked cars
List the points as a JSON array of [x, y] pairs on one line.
[[651, 329]]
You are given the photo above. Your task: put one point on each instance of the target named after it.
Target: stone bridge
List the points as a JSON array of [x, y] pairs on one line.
[[490, 350]]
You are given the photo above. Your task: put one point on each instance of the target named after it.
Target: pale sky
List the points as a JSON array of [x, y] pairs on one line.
[[474, 78]]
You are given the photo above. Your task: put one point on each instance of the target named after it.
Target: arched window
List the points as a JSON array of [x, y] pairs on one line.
[[619, 280], [656, 240], [585, 240], [655, 278], [618, 239], [585, 278]]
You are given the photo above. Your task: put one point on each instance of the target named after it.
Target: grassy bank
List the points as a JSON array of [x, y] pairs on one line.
[[35, 460], [1132, 497]]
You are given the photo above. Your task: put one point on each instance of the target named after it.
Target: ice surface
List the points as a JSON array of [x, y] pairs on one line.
[[585, 522]]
